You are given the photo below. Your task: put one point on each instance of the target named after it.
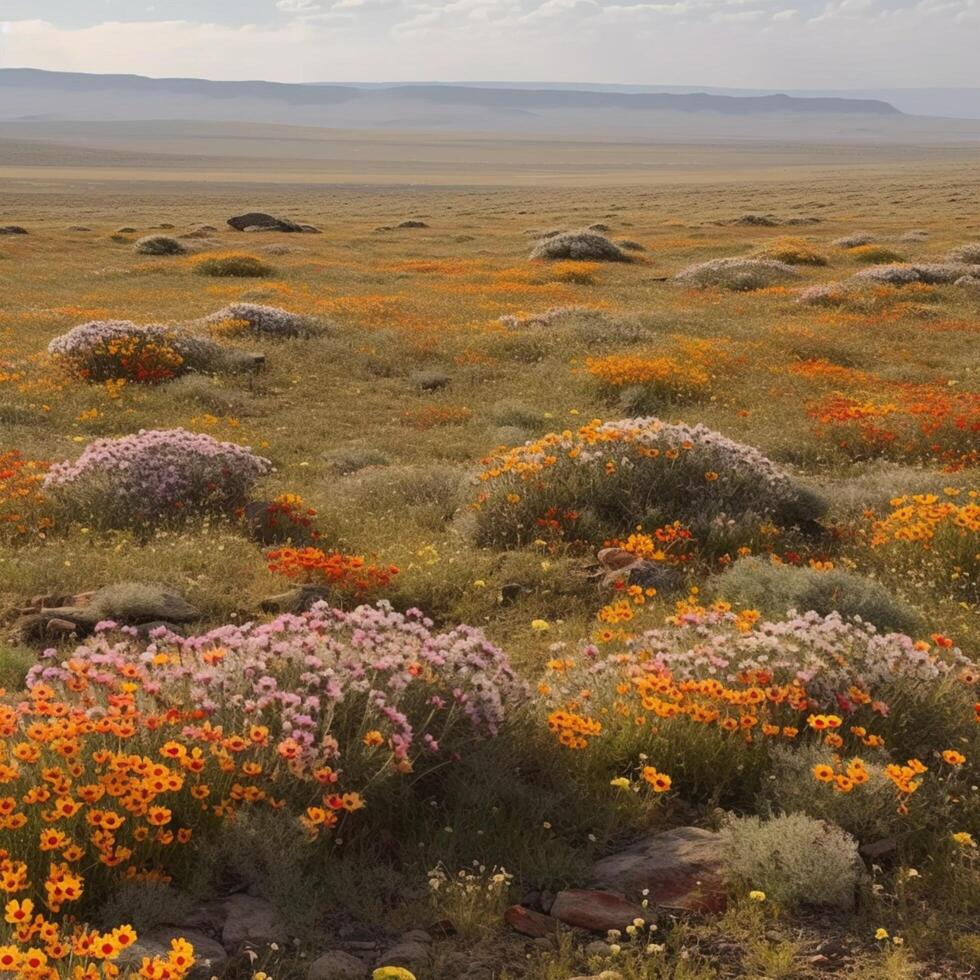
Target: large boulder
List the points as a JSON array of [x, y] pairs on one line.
[[12, 230], [266, 222], [677, 869]]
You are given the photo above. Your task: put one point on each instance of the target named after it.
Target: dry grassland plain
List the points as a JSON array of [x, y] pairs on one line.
[[443, 343]]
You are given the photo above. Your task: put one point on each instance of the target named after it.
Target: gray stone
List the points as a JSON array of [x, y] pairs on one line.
[[337, 965], [210, 956], [410, 955], [250, 920]]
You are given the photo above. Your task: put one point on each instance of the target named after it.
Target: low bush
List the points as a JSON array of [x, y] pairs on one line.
[[232, 264], [774, 589], [603, 480], [118, 350], [930, 273], [933, 540], [792, 251], [794, 860], [874, 254], [579, 246], [823, 294], [709, 698], [159, 245], [968, 254], [154, 477], [855, 240], [23, 505], [736, 274], [657, 378], [267, 321]]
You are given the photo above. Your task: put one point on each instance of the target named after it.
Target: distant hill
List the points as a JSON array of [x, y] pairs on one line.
[[948, 103], [30, 94]]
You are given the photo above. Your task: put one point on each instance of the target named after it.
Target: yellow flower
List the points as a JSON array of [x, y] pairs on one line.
[[620, 782], [540, 624], [392, 973], [881, 933], [757, 896], [964, 839]]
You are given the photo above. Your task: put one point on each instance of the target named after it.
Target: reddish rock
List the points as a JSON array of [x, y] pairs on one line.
[[527, 922], [678, 869], [598, 911]]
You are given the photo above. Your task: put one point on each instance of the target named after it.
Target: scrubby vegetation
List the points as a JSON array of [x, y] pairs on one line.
[[506, 618]]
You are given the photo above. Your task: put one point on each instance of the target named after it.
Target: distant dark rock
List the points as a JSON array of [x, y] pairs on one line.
[[265, 222], [12, 230], [413, 224]]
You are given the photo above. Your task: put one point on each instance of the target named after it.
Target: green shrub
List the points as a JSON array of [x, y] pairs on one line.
[[794, 859], [774, 589], [15, 662], [233, 264], [874, 254]]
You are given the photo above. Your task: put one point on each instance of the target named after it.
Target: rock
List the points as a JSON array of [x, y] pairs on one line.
[[614, 559], [132, 603], [78, 228], [59, 627], [250, 920], [210, 956], [310, 229], [527, 922], [266, 222], [337, 965], [681, 869], [597, 948], [597, 910], [413, 224], [296, 600], [12, 230], [417, 936], [410, 955]]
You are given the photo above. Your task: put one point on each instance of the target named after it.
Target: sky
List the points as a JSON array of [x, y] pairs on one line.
[[822, 44]]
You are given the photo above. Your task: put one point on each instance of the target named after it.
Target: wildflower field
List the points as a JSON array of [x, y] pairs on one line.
[[499, 583]]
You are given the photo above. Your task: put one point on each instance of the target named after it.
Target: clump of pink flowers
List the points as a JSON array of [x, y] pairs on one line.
[[155, 476], [368, 690]]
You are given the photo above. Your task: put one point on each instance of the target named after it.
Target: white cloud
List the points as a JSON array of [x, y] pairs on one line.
[[741, 43]]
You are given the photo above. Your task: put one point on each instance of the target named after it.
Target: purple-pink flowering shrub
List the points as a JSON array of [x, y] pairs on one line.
[[827, 654], [155, 476], [269, 321], [371, 692]]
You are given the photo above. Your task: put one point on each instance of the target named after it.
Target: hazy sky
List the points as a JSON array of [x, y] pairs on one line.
[[741, 43]]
